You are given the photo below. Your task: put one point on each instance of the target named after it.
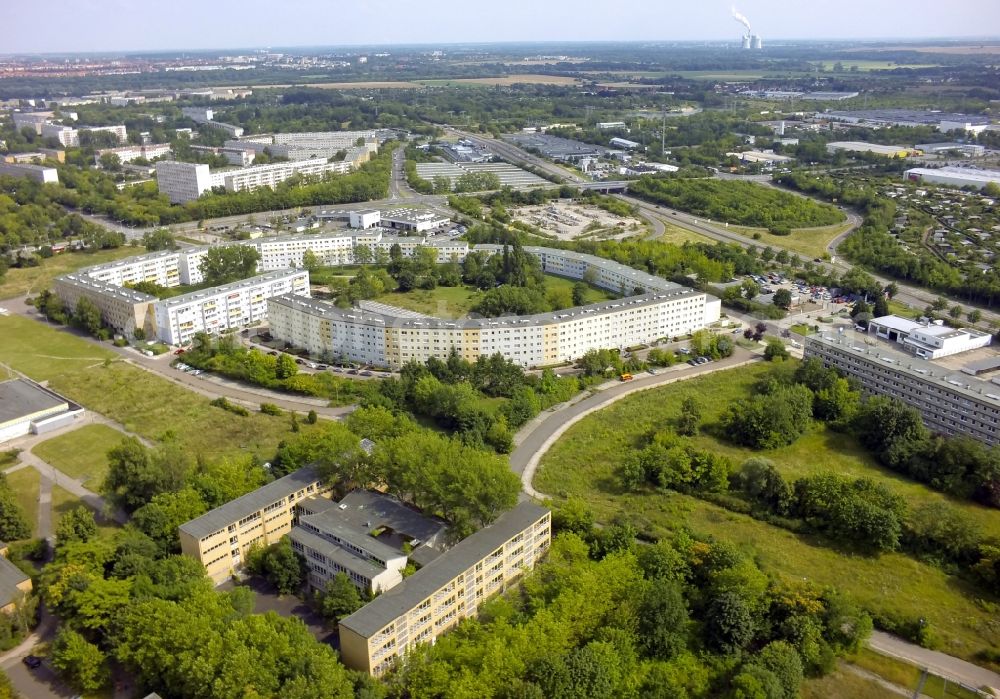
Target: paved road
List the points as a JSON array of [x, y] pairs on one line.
[[534, 440], [952, 669]]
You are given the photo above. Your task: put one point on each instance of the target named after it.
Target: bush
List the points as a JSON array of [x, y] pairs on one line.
[[227, 405], [271, 409]]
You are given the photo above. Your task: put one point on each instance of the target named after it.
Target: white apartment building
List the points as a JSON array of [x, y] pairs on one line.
[[199, 115], [301, 146], [183, 182], [67, 136], [382, 335], [38, 173], [231, 306], [127, 154]]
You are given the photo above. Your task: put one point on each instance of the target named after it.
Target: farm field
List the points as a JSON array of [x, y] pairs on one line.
[[583, 463]]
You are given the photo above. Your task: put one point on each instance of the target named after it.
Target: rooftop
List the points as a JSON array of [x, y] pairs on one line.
[[235, 286], [20, 398], [390, 605], [10, 577], [234, 510]]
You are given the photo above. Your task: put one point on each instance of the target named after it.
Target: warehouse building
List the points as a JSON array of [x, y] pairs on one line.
[[943, 121], [886, 362], [450, 588], [954, 176], [970, 150], [28, 408], [877, 149], [38, 173]]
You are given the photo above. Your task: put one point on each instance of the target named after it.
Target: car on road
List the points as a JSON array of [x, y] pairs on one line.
[[366, 373], [32, 661], [693, 362], [180, 351]]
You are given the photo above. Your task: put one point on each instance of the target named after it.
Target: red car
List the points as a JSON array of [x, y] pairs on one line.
[[180, 351]]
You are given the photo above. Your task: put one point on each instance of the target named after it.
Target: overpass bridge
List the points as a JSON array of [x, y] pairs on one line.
[[606, 187]]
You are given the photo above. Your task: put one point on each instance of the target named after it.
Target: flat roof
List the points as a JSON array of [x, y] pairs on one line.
[[916, 116], [965, 173], [329, 521], [20, 398], [235, 286], [254, 501], [392, 604], [336, 553]]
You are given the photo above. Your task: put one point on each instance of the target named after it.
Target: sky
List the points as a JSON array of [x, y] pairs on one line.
[[44, 26]]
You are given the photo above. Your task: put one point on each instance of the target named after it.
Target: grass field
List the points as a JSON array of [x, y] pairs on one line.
[[908, 676], [143, 402], [843, 683], [506, 80], [583, 463], [809, 242], [678, 236], [866, 66], [18, 282], [80, 454], [25, 484], [457, 301]]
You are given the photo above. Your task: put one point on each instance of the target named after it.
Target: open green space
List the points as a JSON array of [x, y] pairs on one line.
[[80, 454], [867, 66], [842, 683], [457, 301], [584, 462], [18, 282], [25, 483], [144, 403], [808, 242], [677, 235], [906, 675]]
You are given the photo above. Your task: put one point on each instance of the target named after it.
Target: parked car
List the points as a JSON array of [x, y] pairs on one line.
[[32, 661]]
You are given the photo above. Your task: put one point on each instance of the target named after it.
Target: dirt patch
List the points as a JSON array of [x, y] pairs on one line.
[[577, 221]]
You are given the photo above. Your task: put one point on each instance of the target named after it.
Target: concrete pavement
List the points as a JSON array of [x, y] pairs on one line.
[[951, 668]]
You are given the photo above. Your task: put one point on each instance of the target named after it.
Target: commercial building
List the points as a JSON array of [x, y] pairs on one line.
[[624, 143], [38, 173], [391, 337], [555, 147], [970, 150], [450, 588], [368, 536], [28, 408], [954, 176], [219, 539], [928, 340], [183, 182], [886, 362], [943, 121], [604, 125], [762, 157], [877, 149], [413, 220], [365, 218]]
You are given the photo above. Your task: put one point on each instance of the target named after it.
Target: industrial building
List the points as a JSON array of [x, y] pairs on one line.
[[38, 173], [413, 220], [954, 176], [555, 147], [761, 157], [931, 368], [875, 148], [970, 150], [28, 408], [390, 337], [509, 175], [624, 143], [448, 589], [943, 121]]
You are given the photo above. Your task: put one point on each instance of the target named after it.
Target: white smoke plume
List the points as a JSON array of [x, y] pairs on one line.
[[741, 19]]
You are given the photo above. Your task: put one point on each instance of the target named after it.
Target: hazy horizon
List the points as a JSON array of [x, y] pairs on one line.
[[117, 26]]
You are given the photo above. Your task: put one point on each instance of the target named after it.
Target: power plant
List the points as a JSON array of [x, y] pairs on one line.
[[750, 40]]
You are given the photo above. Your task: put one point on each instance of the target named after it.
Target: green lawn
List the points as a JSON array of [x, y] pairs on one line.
[[908, 676], [584, 460], [677, 235], [63, 501], [18, 282], [80, 454], [842, 683], [807, 242], [594, 294], [143, 402], [25, 484]]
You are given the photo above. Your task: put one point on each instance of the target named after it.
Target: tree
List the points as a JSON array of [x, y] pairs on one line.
[[781, 659], [690, 417], [286, 366], [164, 513], [310, 261], [891, 429], [772, 420], [13, 524], [663, 619], [750, 289], [783, 298], [891, 289], [286, 568], [136, 474], [763, 483], [80, 662], [580, 293], [975, 315], [87, 316], [955, 311], [229, 263], [339, 598], [730, 622], [160, 239], [775, 350], [76, 525]]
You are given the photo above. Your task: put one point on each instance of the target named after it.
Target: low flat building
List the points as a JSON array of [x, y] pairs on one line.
[[219, 539], [28, 408], [38, 173], [954, 176], [928, 340], [971, 150], [448, 589], [624, 143], [414, 220], [876, 148]]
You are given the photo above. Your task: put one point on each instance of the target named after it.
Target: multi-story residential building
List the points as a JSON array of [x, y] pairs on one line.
[[885, 362], [446, 590], [368, 536], [183, 182], [219, 539], [199, 115], [127, 154], [66, 135], [31, 120], [382, 335], [38, 173], [238, 305], [302, 146], [121, 308]]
